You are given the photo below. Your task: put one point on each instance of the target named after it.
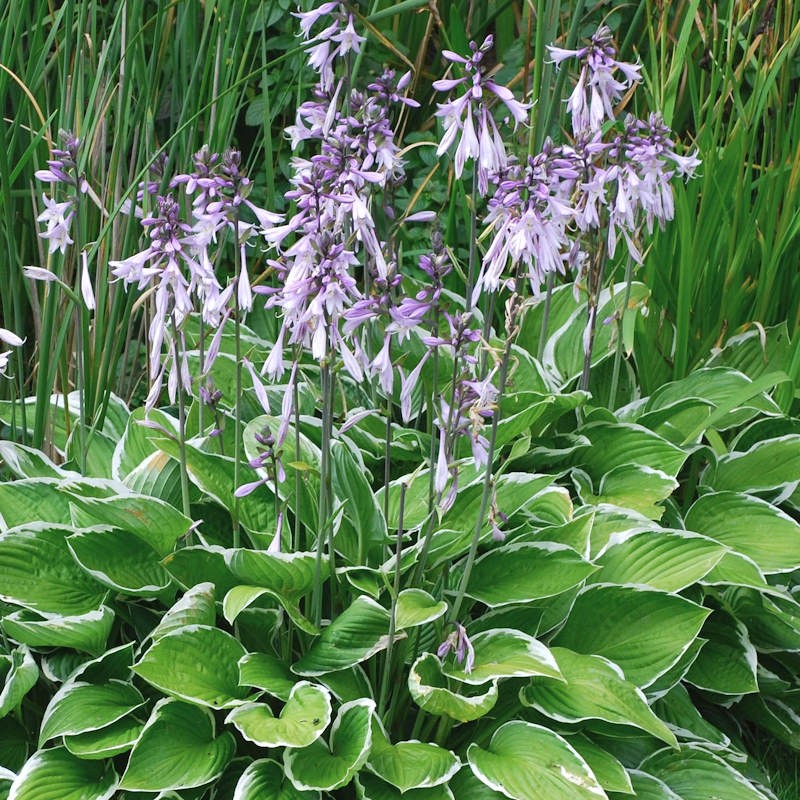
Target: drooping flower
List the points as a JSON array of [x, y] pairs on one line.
[[11, 339], [459, 642]]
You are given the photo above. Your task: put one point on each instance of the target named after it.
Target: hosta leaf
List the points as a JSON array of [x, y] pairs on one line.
[[642, 630], [773, 624], [33, 500], [58, 775], [302, 720], [154, 522], [524, 571], [37, 571], [265, 780], [113, 664], [14, 743], [727, 663], [428, 687], [371, 787], [359, 632], [749, 526], [412, 764], [771, 464], [113, 740], [616, 444], [646, 787], [610, 774], [177, 750], [416, 607], [347, 684], [267, 672], [85, 632], [528, 762], [594, 688], [135, 444], [240, 598], [665, 559], [466, 784], [637, 487], [19, 674], [775, 717], [196, 663], [196, 607], [505, 653], [28, 462], [326, 769], [192, 565], [678, 710], [120, 560], [735, 569], [80, 707], [695, 774]]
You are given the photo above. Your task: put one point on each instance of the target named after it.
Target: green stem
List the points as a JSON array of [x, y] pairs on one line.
[[473, 235], [595, 282], [324, 491], [612, 396], [551, 278], [181, 424], [237, 427]]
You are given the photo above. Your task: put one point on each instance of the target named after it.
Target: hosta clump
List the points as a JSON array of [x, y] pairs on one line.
[[386, 551]]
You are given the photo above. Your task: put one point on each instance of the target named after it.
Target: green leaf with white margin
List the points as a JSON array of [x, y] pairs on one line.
[[239, 598], [37, 571], [113, 740], [646, 787], [669, 560], [359, 632], [33, 500], [773, 624], [505, 653], [196, 607], [267, 672], [750, 526], [58, 775], [192, 565], [154, 522], [28, 462], [728, 662], [466, 784], [80, 707], [696, 774], [285, 576], [327, 768], [637, 487], [265, 780], [85, 632], [121, 561], [610, 773], [769, 465], [412, 764], [678, 710], [524, 571], [19, 673], [528, 762], [177, 750], [416, 607], [735, 569], [302, 720], [136, 445], [642, 630], [428, 687], [594, 688], [371, 787], [196, 663]]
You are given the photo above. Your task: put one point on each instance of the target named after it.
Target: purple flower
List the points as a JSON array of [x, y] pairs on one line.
[[458, 641], [11, 339], [57, 217]]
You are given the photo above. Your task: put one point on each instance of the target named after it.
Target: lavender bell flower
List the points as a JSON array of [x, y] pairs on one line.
[[11, 339], [458, 641]]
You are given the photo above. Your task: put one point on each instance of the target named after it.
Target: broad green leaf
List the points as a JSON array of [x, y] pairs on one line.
[[33, 500], [327, 768], [412, 764], [735, 569], [771, 464], [619, 444], [525, 571], [113, 740], [85, 632], [240, 598], [347, 684], [416, 607], [371, 787], [728, 661], [113, 664], [14, 743], [359, 632], [37, 571], [154, 522], [192, 565], [19, 674], [196, 607], [696, 774], [669, 560], [593, 688], [136, 445], [80, 707], [528, 762], [646, 787], [196, 663], [777, 718], [466, 784], [678, 710], [265, 780], [177, 750], [121, 561], [58, 775], [302, 720], [642, 630], [428, 687], [267, 672], [610, 773], [635, 486], [28, 462], [749, 526], [505, 653]]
